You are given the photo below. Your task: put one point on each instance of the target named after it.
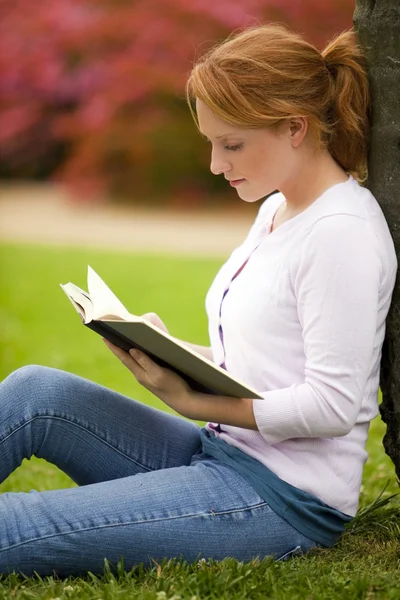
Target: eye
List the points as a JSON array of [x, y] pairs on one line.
[[234, 148]]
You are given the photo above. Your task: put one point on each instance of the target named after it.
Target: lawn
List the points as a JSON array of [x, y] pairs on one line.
[[39, 326]]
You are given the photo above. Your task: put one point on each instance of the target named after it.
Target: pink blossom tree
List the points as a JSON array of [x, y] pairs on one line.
[[92, 91]]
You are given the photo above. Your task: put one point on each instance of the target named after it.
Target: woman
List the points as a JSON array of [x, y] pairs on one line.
[[298, 312]]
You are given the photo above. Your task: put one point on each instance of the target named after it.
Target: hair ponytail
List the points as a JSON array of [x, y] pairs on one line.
[[350, 104]]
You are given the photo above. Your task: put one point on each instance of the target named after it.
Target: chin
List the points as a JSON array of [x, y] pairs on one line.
[[251, 197]]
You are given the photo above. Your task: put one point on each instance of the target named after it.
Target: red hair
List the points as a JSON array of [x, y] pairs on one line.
[[267, 74]]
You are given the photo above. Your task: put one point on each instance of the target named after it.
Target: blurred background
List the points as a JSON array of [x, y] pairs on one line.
[[92, 92]]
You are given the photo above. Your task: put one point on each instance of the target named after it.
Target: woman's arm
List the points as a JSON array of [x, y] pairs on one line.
[[237, 412], [336, 283], [175, 392]]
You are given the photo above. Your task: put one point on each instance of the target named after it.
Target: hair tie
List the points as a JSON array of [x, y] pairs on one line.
[[328, 66]]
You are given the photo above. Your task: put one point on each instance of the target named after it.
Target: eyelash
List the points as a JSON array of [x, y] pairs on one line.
[[234, 148]]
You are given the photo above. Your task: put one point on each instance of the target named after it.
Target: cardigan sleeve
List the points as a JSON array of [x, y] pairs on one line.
[[336, 280]]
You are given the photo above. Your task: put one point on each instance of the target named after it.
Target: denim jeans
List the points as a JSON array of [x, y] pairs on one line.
[[146, 491]]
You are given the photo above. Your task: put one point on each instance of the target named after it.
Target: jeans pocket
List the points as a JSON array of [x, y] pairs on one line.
[[297, 551]]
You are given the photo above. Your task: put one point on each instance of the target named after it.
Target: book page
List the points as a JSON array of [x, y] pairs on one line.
[[80, 299], [105, 302]]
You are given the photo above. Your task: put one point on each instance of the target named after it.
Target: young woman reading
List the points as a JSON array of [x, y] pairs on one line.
[[298, 312]]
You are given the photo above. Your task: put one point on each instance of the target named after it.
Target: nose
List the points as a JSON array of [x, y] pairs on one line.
[[218, 164]]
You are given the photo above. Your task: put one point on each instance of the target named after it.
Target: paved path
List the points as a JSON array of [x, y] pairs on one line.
[[43, 214]]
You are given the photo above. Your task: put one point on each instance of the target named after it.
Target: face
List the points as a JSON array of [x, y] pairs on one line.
[[255, 161]]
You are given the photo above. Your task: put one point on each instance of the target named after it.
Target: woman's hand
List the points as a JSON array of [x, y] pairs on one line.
[[163, 383], [176, 393], [155, 320]]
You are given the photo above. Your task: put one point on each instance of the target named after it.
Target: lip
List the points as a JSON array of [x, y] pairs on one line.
[[235, 182]]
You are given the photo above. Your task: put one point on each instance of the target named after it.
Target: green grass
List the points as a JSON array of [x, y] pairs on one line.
[[38, 326]]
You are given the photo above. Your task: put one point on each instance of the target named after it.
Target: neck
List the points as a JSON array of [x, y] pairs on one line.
[[314, 176]]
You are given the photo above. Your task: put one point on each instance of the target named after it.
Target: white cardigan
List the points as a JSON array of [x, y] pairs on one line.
[[303, 323]]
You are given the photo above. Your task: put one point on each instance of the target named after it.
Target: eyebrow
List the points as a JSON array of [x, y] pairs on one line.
[[217, 137]]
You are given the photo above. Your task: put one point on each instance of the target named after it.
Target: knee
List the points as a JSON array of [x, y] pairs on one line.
[[27, 376], [28, 384]]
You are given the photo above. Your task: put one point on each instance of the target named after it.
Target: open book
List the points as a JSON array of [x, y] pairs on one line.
[[101, 311]]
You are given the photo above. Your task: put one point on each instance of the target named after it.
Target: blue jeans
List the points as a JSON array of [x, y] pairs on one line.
[[146, 491]]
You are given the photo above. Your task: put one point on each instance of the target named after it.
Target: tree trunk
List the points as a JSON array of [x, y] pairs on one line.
[[377, 23]]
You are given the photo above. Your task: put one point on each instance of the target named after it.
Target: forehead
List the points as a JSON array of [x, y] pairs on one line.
[[211, 125]]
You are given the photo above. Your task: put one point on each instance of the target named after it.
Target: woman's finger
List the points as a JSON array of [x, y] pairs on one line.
[[125, 357]]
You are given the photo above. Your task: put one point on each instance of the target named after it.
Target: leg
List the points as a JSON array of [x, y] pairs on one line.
[[93, 434], [202, 510]]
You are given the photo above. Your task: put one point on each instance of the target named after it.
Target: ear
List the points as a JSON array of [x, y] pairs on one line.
[[297, 130]]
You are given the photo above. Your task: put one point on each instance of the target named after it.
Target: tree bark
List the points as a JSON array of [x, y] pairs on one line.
[[377, 23]]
